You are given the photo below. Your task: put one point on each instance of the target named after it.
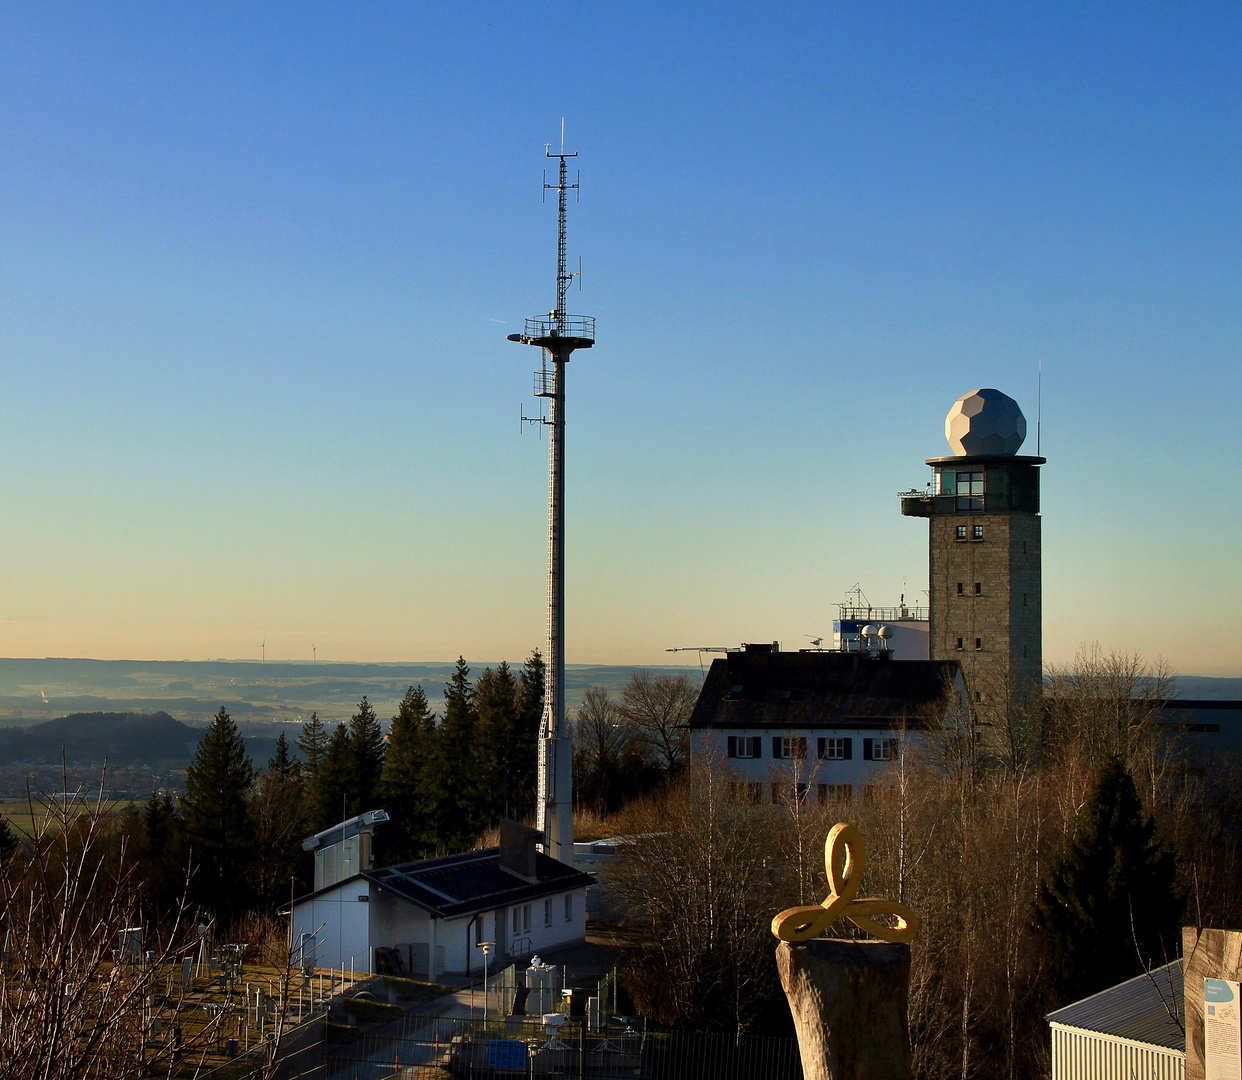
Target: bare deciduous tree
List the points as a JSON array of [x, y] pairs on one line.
[[657, 708], [78, 976], [696, 887], [601, 735]]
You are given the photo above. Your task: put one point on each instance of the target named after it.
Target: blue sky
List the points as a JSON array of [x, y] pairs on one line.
[[257, 264]]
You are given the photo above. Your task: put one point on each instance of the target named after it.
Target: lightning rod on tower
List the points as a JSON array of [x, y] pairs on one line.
[[558, 334]]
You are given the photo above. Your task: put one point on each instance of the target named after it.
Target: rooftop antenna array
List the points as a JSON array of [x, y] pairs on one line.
[[557, 334]]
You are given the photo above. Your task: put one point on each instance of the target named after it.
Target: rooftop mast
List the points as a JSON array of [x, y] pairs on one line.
[[558, 335]]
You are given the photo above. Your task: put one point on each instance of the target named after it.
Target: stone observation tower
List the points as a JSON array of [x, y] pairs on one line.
[[984, 549], [559, 335]]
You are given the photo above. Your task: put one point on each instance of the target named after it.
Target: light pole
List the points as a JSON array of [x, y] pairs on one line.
[[486, 946]]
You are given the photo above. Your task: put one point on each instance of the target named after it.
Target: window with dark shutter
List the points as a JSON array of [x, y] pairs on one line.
[[823, 748], [866, 749], [849, 749], [732, 746], [776, 746]]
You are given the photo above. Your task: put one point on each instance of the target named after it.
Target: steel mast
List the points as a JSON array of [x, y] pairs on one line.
[[558, 334]]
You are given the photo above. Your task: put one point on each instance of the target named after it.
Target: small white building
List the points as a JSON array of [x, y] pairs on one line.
[[827, 725], [434, 914], [1129, 1030]]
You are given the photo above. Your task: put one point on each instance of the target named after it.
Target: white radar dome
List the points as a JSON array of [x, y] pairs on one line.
[[868, 630], [985, 422]]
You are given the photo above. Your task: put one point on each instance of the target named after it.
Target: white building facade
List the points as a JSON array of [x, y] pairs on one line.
[[824, 725], [430, 918]]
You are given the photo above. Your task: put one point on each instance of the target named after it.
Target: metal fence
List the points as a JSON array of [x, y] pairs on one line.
[[435, 1048]]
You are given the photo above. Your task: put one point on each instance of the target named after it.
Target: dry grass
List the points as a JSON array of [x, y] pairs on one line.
[[648, 813], [18, 811]]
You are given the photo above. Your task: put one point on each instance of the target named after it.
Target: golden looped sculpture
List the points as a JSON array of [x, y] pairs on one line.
[[845, 858]]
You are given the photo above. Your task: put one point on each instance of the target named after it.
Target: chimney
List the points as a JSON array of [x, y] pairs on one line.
[[517, 849]]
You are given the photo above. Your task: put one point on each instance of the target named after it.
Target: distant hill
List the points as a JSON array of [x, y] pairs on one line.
[[123, 738]]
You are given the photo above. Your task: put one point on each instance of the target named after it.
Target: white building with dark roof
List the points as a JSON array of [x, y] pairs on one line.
[[431, 916], [827, 724]]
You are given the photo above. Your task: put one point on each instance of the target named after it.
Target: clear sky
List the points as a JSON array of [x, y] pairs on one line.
[[258, 262]]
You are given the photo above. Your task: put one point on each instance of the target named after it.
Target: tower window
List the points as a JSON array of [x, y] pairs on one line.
[[961, 588], [978, 644], [1024, 599], [978, 588], [959, 644], [977, 532], [961, 532], [1023, 547], [1023, 652], [970, 491]]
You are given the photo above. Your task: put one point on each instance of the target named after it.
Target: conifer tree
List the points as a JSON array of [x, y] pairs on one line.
[[281, 766], [524, 753], [162, 854], [334, 782], [216, 819], [366, 746], [278, 815], [8, 839], [496, 709], [312, 742], [1109, 908], [401, 782], [452, 815]]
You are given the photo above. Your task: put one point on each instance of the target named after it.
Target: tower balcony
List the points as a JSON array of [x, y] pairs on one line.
[[556, 331]]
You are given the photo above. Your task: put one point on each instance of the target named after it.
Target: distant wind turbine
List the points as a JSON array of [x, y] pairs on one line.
[[264, 648]]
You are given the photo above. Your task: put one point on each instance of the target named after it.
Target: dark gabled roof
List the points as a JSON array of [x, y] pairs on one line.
[[1137, 1009], [474, 881], [820, 689]]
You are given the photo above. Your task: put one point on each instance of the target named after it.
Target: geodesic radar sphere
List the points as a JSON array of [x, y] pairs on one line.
[[985, 422]]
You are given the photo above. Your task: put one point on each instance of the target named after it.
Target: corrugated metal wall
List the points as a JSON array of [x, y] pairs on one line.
[[1084, 1055]]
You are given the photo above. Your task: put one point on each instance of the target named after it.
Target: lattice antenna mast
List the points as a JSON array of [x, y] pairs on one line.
[[558, 334], [562, 188]]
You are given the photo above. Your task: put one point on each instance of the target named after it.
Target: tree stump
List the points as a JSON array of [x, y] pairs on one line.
[[849, 1001]]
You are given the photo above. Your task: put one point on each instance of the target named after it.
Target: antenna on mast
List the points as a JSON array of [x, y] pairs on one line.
[[558, 334], [1039, 407]]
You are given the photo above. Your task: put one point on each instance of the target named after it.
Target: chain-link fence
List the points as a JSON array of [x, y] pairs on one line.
[[436, 1048]]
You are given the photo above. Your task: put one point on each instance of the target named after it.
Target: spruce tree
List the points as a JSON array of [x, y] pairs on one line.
[[366, 746], [8, 839], [162, 853], [334, 783], [496, 709], [281, 766], [452, 815], [1109, 908], [278, 814], [312, 742], [524, 754], [401, 782], [216, 820]]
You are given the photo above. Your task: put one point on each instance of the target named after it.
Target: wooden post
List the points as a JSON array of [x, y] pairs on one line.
[[1210, 954], [849, 1002]]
